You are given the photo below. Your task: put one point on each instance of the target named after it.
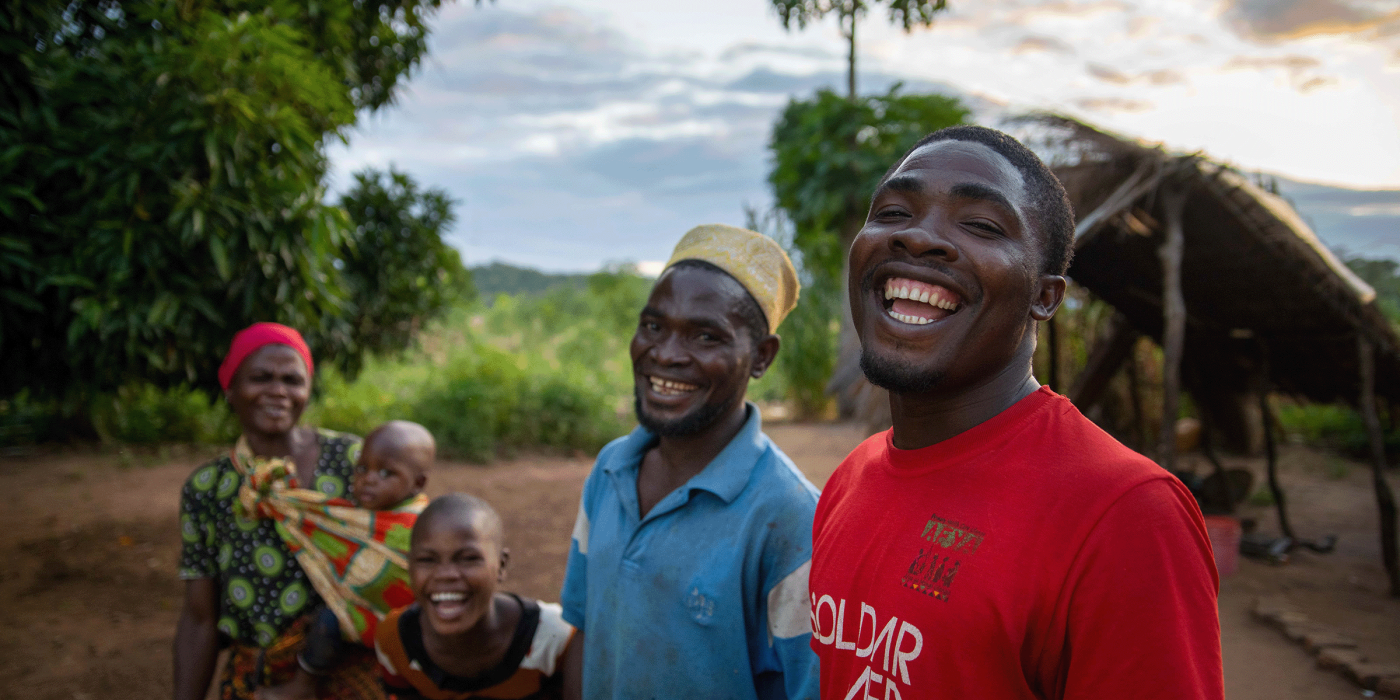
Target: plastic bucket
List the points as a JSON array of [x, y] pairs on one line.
[[1224, 532]]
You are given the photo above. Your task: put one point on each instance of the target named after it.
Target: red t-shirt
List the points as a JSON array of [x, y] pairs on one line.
[[1032, 556]]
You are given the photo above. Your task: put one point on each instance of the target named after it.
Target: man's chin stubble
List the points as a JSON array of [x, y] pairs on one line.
[[689, 424], [897, 377]]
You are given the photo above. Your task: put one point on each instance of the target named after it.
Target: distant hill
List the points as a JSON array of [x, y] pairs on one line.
[[1357, 223], [501, 278]]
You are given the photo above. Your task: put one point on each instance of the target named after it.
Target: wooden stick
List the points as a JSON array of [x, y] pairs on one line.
[[1271, 457], [1110, 351], [1385, 500], [1140, 437], [1174, 324]]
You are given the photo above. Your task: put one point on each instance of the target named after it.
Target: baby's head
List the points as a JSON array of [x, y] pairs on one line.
[[456, 557], [393, 464]]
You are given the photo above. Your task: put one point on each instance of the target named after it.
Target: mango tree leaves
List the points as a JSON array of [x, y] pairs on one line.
[[162, 182], [829, 153]]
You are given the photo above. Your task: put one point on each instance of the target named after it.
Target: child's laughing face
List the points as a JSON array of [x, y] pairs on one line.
[[454, 571]]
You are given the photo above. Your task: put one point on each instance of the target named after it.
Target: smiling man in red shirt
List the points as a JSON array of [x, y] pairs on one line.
[[994, 544]]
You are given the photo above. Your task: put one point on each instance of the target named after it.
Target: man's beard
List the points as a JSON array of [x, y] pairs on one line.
[[688, 424], [897, 377]]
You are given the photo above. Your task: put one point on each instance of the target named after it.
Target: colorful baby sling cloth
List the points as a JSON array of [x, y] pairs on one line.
[[357, 559]]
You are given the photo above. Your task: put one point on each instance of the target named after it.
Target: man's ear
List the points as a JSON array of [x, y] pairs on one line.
[[505, 560], [763, 355], [1048, 298], [420, 481]]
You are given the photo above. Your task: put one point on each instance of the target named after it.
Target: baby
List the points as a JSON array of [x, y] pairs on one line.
[[389, 477], [464, 638]]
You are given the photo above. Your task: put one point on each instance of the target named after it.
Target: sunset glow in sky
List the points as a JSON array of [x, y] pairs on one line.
[[577, 133]]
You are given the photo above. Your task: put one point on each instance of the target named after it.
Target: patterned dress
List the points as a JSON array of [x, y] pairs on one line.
[[263, 591]]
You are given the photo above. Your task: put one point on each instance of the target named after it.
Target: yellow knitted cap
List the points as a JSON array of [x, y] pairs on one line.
[[755, 260]]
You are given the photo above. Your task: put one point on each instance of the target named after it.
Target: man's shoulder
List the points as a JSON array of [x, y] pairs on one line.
[[777, 476], [871, 451], [612, 456], [617, 450], [1073, 442]]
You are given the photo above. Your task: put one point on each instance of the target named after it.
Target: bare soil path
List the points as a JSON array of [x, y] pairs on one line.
[[89, 597]]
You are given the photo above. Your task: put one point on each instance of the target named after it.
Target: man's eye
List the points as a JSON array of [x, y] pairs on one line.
[[383, 473], [985, 226]]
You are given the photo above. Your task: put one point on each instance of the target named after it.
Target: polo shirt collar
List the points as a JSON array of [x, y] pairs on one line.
[[726, 475]]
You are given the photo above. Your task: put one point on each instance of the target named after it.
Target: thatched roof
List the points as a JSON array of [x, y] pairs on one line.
[[1263, 295]]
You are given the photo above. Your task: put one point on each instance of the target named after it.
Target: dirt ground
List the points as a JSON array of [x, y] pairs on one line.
[[89, 596]]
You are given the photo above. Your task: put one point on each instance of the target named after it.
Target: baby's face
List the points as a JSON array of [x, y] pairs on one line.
[[383, 478]]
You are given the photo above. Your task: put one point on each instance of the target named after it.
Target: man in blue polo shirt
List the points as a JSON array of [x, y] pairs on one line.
[[688, 570]]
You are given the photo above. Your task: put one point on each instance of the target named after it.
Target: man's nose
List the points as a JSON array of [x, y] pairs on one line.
[[926, 239], [669, 350]]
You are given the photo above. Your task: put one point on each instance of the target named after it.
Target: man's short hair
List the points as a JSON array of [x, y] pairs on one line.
[[1051, 212], [755, 321]]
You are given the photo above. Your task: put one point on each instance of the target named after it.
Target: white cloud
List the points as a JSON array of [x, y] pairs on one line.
[[576, 135]]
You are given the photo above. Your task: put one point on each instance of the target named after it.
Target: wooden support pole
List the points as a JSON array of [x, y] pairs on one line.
[[1140, 438], [1385, 500], [1108, 354], [1271, 456], [1174, 324], [1052, 330]]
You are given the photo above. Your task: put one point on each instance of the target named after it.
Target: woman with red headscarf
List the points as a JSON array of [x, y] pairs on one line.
[[243, 588]]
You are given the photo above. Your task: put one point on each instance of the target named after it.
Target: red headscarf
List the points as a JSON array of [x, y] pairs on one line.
[[255, 336]]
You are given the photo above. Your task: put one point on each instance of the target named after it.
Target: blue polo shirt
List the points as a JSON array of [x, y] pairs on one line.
[[706, 596]]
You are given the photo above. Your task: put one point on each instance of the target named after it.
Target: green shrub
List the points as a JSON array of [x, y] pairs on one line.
[[1334, 426], [141, 414], [492, 401], [25, 421]]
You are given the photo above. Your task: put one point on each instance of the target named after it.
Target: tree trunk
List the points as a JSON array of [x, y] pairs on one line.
[[1385, 500], [851, 57]]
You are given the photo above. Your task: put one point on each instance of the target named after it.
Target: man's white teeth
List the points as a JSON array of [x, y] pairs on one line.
[[916, 320], [442, 597], [902, 289], [667, 387]]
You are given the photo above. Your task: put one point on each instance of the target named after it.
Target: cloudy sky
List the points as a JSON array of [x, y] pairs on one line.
[[574, 133]]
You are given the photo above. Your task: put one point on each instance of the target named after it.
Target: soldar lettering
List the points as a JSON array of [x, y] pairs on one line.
[[894, 644]]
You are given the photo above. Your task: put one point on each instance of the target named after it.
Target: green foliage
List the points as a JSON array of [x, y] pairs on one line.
[[906, 13], [502, 278], [399, 272], [533, 370], [141, 414], [491, 400], [163, 173], [25, 421], [1335, 426], [1381, 275], [830, 152]]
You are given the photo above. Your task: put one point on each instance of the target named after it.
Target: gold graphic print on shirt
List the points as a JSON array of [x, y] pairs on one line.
[[946, 544]]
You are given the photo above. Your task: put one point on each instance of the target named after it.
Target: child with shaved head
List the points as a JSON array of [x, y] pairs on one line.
[[389, 477], [463, 638]]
